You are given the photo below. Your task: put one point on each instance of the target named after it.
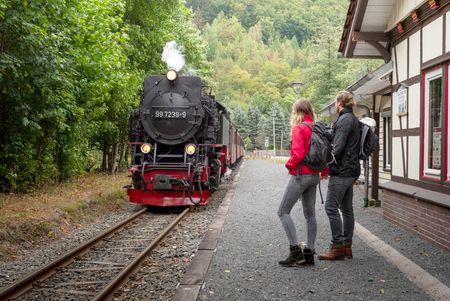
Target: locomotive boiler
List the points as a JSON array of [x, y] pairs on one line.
[[183, 142]]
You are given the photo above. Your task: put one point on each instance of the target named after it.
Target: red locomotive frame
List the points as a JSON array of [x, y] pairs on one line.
[[180, 195]]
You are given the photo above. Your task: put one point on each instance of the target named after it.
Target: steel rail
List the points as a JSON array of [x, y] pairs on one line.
[[20, 287], [108, 292]]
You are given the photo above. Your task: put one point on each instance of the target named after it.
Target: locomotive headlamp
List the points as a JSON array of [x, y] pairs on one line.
[[190, 149], [146, 148], [171, 75]]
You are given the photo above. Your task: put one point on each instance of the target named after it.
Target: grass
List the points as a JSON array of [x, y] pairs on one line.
[[54, 211], [98, 203]]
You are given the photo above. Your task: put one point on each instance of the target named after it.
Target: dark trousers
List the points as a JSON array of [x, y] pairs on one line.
[[340, 198]]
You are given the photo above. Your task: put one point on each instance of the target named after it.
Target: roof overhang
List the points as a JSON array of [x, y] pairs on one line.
[[364, 34], [374, 83]]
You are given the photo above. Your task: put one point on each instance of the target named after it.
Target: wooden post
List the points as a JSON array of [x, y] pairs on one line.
[[376, 162]]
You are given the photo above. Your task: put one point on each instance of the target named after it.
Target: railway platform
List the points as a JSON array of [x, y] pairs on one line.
[[238, 259]]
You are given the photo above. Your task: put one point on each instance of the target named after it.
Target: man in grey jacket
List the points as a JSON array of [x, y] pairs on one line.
[[344, 171]]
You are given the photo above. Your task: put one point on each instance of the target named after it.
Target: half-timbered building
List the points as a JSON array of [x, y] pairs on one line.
[[413, 113]]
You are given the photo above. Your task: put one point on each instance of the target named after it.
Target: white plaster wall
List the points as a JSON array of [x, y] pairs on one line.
[[447, 32], [414, 158], [402, 60], [394, 72], [414, 106], [397, 161], [414, 54], [432, 40], [395, 121]]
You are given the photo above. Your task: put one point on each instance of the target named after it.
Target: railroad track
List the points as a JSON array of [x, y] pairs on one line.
[[97, 268]]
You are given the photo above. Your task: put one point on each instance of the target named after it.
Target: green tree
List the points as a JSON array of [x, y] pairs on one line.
[[275, 43], [279, 122], [240, 120], [263, 134], [324, 73], [248, 143], [70, 74], [254, 118], [56, 63]]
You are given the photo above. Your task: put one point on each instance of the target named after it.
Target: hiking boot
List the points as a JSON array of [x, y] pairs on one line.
[[309, 256], [348, 250], [335, 252], [295, 257]]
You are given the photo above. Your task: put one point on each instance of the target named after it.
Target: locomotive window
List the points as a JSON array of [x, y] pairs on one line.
[[170, 114]]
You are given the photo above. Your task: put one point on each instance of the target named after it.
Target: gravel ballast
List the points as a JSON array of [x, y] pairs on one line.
[[160, 273]]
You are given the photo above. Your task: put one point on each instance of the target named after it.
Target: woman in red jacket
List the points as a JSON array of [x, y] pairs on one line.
[[302, 185]]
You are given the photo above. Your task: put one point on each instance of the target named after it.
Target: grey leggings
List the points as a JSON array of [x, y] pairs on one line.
[[304, 187]]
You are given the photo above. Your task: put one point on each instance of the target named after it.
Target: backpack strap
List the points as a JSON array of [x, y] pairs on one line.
[[307, 124], [299, 167], [365, 129]]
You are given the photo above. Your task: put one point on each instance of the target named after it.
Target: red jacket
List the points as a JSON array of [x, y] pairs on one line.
[[301, 134]]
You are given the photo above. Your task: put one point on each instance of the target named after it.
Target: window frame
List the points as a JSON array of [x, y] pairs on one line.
[[446, 108], [387, 159], [428, 75]]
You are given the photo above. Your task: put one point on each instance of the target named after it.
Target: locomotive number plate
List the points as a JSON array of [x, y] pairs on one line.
[[170, 114]]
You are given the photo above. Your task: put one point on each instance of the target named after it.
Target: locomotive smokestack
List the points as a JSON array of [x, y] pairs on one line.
[[172, 55]]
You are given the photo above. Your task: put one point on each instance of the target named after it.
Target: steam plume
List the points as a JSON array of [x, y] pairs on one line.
[[172, 55]]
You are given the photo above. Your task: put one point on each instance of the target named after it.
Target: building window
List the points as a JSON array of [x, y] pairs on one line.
[[386, 142], [432, 135]]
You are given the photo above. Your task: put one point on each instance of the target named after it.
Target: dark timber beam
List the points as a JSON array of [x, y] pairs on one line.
[[383, 51], [376, 160], [360, 10]]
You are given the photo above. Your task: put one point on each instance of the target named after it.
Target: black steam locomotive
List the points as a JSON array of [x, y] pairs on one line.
[[183, 142]]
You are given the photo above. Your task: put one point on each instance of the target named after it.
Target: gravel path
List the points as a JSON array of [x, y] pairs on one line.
[[245, 264]]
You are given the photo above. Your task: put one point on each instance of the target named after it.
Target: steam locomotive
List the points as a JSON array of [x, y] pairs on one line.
[[183, 142]]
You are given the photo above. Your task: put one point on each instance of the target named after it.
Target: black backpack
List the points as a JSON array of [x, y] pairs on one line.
[[320, 147], [368, 141]]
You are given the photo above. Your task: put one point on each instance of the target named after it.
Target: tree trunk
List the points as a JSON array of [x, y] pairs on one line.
[[123, 156], [104, 159], [113, 158]]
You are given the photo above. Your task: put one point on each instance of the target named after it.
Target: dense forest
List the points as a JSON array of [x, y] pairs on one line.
[[71, 72], [258, 48]]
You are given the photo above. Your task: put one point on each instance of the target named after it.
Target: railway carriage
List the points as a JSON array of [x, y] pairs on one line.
[[183, 142]]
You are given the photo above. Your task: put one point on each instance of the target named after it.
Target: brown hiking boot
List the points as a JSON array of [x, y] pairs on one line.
[[348, 251], [335, 252]]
